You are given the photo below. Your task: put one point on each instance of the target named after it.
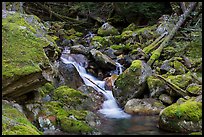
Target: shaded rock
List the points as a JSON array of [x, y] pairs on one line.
[[79, 49], [184, 117], [156, 86], [97, 97], [15, 122], [147, 106], [103, 60], [131, 83], [166, 99], [68, 75]]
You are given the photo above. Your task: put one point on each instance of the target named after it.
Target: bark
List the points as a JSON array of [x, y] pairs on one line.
[[157, 52]]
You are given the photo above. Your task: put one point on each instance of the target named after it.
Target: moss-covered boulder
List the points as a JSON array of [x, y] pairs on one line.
[[182, 117], [131, 83], [14, 122], [23, 57], [106, 30]]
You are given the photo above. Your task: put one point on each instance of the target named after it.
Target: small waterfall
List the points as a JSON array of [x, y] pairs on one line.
[[110, 108]]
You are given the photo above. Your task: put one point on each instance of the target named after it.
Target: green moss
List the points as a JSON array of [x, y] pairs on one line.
[[117, 47], [16, 123], [68, 95], [196, 133], [180, 68], [130, 27], [107, 32], [22, 51], [136, 64], [70, 120], [74, 126], [181, 80], [189, 111], [46, 89], [194, 89], [126, 34]]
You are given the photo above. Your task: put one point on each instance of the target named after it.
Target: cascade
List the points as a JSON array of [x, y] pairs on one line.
[[109, 108]]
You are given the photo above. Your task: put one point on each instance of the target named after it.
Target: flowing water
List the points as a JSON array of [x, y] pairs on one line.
[[110, 108], [115, 120]]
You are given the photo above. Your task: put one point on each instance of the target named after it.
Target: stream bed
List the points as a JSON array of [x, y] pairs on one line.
[[135, 125]]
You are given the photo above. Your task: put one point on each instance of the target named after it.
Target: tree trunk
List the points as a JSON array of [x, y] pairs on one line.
[[157, 52]]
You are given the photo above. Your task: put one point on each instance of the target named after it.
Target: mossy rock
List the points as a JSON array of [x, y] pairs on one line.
[[156, 86], [107, 30], [194, 89], [131, 83], [103, 42], [184, 117], [74, 126], [181, 80], [130, 27], [179, 67], [69, 96], [24, 39], [46, 89], [15, 122]]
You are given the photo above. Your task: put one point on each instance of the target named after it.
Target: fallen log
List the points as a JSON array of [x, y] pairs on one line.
[[157, 52]]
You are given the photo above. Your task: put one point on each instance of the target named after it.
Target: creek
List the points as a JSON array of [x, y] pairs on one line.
[[114, 120]]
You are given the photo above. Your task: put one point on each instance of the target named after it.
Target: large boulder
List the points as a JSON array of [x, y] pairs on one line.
[[146, 106], [23, 57], [131, 83], [182, 116]]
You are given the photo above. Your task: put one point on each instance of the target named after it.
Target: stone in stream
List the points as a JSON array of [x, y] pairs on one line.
[[103, 60], [146, 106], [132, 82]]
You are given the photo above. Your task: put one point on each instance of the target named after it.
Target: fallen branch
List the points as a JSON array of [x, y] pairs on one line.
[[174, 87], [95, 84]]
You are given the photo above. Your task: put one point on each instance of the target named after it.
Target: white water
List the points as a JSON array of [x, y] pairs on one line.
[[110, 108]]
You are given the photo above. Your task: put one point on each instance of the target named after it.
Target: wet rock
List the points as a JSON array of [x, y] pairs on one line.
[[147, 106], [103, 60], [68, 75], [97, 97], [132, 82], [185, 117], [109, 82], [79, 49]]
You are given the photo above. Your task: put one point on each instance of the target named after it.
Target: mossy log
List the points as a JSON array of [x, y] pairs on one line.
[[157, 52], [177, 89], [155, 43]]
